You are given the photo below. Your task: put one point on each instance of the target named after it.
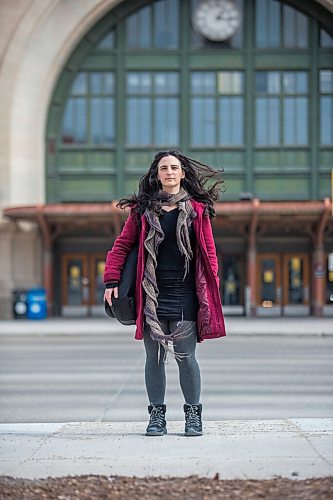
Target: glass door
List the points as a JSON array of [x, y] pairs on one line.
[[296, 296], [82, 284], [96, 269], [269, 284], [232, 284]]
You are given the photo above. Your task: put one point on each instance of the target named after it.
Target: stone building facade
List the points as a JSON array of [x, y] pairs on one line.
[[82, 87]]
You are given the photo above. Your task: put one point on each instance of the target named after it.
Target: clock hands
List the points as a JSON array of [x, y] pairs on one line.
[[216, 20]]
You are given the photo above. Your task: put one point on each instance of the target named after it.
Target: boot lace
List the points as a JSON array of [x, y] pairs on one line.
[[192, 417], [156, 417]]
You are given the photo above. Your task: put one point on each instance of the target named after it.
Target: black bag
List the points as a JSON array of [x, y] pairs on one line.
[[123, 308]]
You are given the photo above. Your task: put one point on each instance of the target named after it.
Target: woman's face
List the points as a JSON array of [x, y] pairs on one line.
[[170, 173]]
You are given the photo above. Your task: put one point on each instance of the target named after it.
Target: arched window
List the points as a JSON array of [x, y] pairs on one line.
[[149, 76]]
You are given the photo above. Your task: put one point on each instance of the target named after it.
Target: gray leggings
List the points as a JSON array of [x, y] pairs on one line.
[[189, 372]]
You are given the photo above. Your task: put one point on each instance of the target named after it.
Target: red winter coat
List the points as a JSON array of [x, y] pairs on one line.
[[210, 321]]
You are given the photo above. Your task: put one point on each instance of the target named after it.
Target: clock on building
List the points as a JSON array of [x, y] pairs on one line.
[[216, 20]]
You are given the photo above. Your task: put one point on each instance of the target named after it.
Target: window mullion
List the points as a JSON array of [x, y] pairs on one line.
[[281, 143], [313, 113]]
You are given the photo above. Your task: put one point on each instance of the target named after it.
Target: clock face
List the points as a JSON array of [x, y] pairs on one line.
[[216, 20]]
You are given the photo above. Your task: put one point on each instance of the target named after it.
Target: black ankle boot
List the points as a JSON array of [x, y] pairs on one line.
[[157, 423], [193, 424]]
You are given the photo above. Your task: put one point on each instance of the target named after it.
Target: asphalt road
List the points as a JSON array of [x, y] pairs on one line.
[[66, 378]]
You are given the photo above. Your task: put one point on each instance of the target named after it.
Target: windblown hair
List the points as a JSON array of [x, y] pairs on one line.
[[196, 177]]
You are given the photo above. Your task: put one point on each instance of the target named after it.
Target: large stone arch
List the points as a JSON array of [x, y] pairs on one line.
[[37, 49], [42, 41]]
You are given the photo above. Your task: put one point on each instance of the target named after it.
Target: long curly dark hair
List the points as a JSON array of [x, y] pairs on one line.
[[196, 177]]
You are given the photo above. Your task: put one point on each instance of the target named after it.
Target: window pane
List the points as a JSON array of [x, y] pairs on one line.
[[107, 42], [139, 83], [267, 121], [326, 40], [301, 30], [326, 81], [230, 82], [74, 126], [68, 123], [326, 121], [80, 120], [203, 82], [166, 24], [274, 21], [102, 121], [138, 29], [166, 83], [231, 121], [167, 121], [109, 132], [261, 28], [261, 82], [273, 82], [268, 82], [273, 132], [295, 120], [203, 122], [289, 84], [301, 82], [79, 86], [139, 122], [268, 19], [289, 119], [295, 82], [302, 120], [131, 31], [288, 26], [108, 83], [295, 28], [96, 120], [96, 83]]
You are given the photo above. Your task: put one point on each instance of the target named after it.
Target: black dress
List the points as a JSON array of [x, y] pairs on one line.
[[177, 299]]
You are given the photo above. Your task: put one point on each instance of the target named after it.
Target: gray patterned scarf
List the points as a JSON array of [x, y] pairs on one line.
[[154, 238]]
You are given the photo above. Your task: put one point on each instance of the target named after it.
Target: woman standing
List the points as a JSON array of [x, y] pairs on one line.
[[177, 285]]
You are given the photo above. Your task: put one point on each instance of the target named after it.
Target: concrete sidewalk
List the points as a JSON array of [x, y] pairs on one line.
[[235, 449], [234, 326]]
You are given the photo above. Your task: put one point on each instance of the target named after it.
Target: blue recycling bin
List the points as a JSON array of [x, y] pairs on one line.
[[37, 305]]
